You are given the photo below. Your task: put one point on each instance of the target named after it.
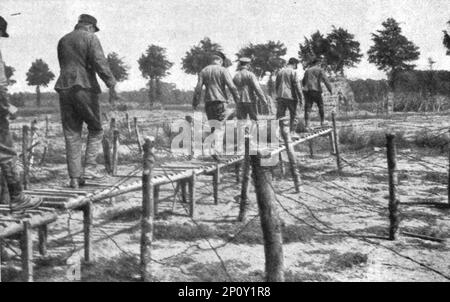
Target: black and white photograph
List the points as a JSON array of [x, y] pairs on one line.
[[236, 143]]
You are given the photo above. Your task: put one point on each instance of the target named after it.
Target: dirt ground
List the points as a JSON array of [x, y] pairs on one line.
[[334, 230]]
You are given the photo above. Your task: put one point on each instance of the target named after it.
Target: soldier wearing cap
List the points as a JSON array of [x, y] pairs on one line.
[[312, 89], [215, 78], [81, 57], [248, 88], [288, 91], [8, 156]]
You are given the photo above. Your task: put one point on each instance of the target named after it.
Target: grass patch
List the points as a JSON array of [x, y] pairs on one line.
[[120, 269], [214, 272], [338, 262]]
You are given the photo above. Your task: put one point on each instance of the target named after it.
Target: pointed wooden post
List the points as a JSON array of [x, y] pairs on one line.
[[243, 205], [156, 190], [27, 252], [138, 134], [107, 154], [44, 153], [87, 225], [393, 181], [43, 234], [336, 142], [270, 221], [25, 144], [127, 122], [115, 155], [147, 210], [216, 181], [285, 133], [192, 201]]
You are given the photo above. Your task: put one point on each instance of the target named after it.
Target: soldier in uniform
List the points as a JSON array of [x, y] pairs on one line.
[[215, 78], [8, 155], [312, 90], [81, 57], [288, 91], [248, 88]]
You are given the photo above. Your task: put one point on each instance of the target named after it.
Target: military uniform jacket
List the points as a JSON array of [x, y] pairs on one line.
[[81, 57], [247, 86]]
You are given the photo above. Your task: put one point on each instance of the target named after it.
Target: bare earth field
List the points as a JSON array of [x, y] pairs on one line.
[[334, 230]]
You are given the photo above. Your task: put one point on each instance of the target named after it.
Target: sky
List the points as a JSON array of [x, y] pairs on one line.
[[128, 27]]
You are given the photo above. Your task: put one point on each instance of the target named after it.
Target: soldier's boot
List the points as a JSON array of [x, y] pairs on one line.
[[93, 147], [18, 199]]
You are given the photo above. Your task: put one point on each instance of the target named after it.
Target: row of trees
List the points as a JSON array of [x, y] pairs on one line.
[[391, 52]]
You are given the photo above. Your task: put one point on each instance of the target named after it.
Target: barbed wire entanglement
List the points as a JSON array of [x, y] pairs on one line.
[[325, 188]]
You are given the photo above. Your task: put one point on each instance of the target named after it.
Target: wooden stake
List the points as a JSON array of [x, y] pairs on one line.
[[270, 222], [393, 181], [4, 193], [127, 121], [87, 224], [448, 180], [33, 129], [332, 143], [192, 201], [115, 155], [281, 163], [285, 133], [183, 191], [237, 171], [243, 205], [311, 149], [336, 142], [138, 134], [43, 234], [107, 154], [156, 190], [27, 252], [216, 180], [25, 144], [147, 210], [44, 153]]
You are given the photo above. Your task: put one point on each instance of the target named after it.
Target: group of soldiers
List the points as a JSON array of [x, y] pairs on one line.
[[81, 58], [246, 92]]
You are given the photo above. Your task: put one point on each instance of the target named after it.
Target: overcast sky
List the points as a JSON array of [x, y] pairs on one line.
[[128, 27]]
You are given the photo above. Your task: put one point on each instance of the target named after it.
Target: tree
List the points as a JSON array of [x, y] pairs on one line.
[[316, 46], [9, 71], [392, 52], [154, 66], [39, 75], [118, 68], [345, 51], [266, 57], [199, 56], [338, 49], [446, 40]]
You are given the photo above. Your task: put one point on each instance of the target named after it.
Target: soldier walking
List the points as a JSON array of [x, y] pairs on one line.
[[81, 57], [215, 78], [288, 91], [248, 88], [312, 90]]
